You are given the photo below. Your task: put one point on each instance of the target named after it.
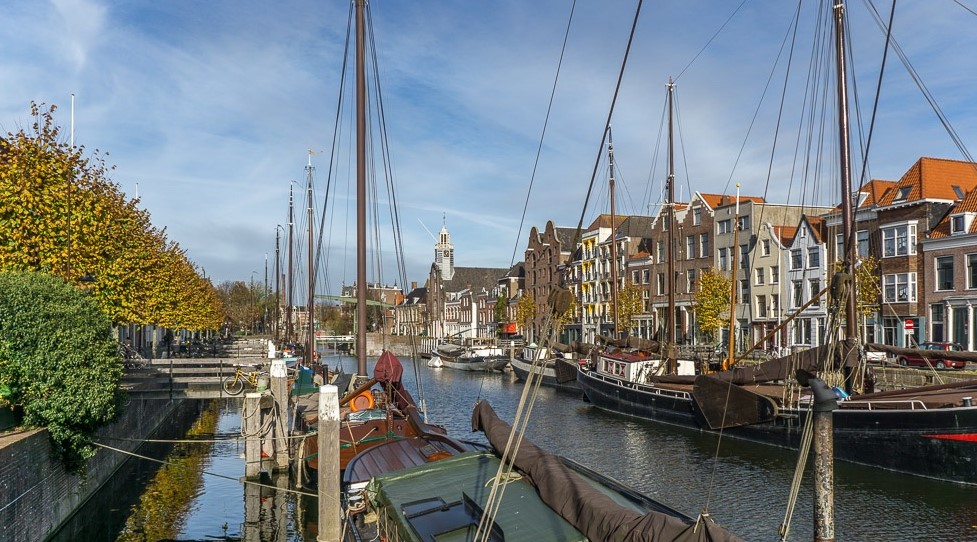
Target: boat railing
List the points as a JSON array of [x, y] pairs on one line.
[[636, 385], [910, 404]]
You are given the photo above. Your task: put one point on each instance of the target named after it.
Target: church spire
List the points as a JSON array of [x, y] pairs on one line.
[[444, 252]]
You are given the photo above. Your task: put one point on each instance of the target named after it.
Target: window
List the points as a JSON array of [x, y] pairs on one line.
[[796, 259], [723, 263], [899, 240], [944, 273], [744, 290], [744, 256], [696, 216], [862, 246], [765, 247], [724, 226], [815, 287], [775, 302], [956, 224], [802, 331], [703, 245], [690, 280], [760, 275], [902, 194], [661, 251], [661, 283], [899, 288], [813, 257], [645, 276], [743, 223], [971, 270], [761, 306], [690, 247], [775, 274], [635, 277], [797, 291], [840, 246], [937, 332]]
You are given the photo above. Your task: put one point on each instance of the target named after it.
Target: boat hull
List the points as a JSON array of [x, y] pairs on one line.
[[522, 368], [475, 363], [938, 443]]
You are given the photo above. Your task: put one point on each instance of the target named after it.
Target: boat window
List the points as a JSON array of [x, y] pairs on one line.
[[433, 518]]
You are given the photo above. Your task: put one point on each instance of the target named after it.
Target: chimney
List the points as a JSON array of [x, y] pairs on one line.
[[413, 285]]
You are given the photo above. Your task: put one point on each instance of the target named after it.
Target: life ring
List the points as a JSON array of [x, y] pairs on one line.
[[363, 401]]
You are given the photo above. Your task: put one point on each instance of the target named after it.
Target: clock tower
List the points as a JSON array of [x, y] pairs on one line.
[[444, 254]]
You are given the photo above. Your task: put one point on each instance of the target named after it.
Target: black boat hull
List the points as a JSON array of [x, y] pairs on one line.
[[934, 443]]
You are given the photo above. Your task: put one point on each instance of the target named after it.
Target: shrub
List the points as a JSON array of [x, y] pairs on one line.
[[58, 360]]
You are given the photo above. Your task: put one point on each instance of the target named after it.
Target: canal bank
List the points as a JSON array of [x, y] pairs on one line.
[[38, 496]]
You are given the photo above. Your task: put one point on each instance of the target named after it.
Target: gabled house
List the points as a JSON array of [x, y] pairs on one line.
[[805, 261], [547, 253]]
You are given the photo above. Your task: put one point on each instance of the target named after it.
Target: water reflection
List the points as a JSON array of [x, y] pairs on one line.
[[744, 486]]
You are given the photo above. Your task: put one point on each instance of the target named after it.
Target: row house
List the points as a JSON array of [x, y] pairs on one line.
[[410, 316], [894, 222], [589, 279], [806, 262], [384, 317], [770, 282], [547, 253]]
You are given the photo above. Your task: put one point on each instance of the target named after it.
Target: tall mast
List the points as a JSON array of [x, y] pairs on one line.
[[291, 283], [845, 155], [310, 306], [610, 161], [278, 285], [670, 279], [360, 191], [734, 260]]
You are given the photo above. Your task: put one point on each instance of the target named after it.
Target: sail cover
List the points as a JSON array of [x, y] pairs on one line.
[[585, 506]]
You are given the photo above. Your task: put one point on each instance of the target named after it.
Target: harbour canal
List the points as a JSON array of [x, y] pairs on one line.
[[744, 486]]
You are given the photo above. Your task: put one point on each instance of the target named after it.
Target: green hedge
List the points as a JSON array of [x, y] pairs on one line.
[[58, 361]]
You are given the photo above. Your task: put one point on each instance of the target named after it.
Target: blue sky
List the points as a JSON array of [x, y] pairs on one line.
[[208, 109]]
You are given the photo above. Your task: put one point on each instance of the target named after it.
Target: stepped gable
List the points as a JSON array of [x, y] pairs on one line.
[[475, 278], [933, 179], [967, 205]]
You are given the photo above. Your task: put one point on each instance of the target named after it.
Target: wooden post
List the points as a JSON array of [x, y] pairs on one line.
[[279, 391], [328, 472], [250, 425]]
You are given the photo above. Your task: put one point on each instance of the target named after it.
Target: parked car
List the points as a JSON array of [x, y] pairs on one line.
[[934, 359]]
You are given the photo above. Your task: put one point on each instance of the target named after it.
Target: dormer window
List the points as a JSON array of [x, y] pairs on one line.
[[903, 193], [958, 192], [960, 224]]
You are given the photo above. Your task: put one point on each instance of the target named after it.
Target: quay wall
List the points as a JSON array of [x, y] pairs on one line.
[[399, 345], [37, 495]]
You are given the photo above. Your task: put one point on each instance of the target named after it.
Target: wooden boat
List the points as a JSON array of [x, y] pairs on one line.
[[472, 355], [554, 371], [435, 488]]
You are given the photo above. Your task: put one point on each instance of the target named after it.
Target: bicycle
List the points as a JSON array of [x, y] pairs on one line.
[[131, 359], [234, 384]]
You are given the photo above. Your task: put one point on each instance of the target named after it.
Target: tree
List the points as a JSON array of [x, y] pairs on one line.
[[526, 311], [58, 361], [712, 302], [61, 214], [501, 308], [628, 306]]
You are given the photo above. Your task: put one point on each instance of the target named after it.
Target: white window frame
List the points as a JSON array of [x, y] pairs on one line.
[[895, 281], [892, 233]]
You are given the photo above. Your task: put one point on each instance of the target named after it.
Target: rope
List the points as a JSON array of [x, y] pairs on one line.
[[214, 474]]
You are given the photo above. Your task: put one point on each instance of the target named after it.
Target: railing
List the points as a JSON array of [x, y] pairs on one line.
[[911, 404]]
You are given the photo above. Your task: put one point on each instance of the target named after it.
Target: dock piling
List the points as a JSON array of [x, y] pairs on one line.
[[328, 471], [279, 390]]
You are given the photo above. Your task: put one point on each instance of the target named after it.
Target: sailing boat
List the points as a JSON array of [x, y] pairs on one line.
[[378, 409], [927, 431]]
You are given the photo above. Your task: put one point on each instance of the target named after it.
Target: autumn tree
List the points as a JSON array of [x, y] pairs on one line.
[[61, 214], [712, 302], [526, 311], [629, 305]]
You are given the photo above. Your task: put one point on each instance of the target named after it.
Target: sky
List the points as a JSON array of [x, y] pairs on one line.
[[209, 111]]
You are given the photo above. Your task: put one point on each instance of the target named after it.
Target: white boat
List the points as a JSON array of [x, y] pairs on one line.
[[435, 362]]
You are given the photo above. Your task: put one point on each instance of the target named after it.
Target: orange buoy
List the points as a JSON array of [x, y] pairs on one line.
[[363, 401]]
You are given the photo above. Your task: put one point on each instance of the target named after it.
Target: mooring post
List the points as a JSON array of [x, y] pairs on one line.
[[825, 402], [279, 391], [328, 471], [250, 427]]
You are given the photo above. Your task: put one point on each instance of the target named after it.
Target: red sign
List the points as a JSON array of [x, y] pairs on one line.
[[909, 325]]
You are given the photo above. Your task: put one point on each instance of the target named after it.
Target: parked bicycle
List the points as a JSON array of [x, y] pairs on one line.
[[131, 359], [235, 383]]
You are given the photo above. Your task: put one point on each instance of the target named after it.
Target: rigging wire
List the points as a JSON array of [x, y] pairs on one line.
[[714, 36], [542, 135]]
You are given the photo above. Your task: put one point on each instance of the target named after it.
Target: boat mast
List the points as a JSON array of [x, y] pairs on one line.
[[734, 263], [291, 272], [844, 154], [310, 306], [610, 161], [278, 284], [670, 220], [360, 191]]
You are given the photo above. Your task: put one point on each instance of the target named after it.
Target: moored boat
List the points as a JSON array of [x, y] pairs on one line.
[[554, 371], [429, 488]]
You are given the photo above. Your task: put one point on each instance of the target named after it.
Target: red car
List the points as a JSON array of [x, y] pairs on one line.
[[934, 359]]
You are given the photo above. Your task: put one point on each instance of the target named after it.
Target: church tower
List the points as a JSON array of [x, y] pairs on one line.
[[444, 254]]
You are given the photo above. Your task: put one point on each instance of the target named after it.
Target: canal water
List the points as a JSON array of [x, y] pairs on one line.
[[745, 487]]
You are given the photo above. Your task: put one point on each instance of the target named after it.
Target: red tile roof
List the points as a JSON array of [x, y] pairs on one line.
[[932, 178], [967, 205], [721, 200]]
